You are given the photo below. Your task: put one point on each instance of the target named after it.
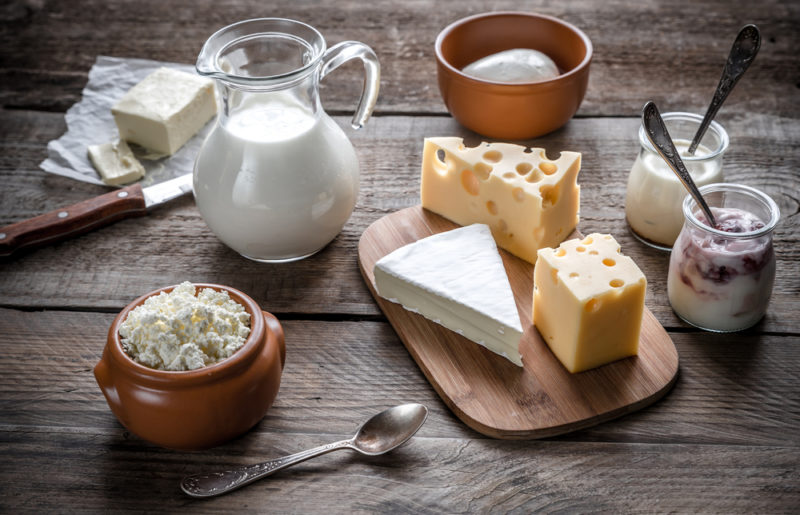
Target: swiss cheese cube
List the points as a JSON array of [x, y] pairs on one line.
[[165, 109], [588, 301], [528, 200]]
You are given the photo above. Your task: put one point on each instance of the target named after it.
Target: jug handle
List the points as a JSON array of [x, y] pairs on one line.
[[345, 51]]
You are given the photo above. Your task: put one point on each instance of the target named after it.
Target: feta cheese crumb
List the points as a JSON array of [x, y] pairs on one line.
[[185, 330]]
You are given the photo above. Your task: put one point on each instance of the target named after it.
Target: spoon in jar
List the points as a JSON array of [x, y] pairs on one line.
[[380, 434], [658, 135], [742, 54]]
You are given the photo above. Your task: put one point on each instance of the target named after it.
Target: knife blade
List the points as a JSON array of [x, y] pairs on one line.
[[60, 224]]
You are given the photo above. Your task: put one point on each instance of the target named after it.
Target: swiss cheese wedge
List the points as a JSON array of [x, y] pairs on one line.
[[528, 200]]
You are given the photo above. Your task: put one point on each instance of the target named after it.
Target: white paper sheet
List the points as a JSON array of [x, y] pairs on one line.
[[89, 122]]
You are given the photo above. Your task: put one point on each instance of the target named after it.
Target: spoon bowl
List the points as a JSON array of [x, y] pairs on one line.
[[389, 429], [380, 434]]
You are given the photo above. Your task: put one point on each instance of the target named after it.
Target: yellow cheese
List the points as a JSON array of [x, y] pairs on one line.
[[588, 301], [528, 200]]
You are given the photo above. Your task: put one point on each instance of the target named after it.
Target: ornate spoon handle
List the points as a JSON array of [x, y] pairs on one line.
[[742, 54], [659, 136], [217, 483]]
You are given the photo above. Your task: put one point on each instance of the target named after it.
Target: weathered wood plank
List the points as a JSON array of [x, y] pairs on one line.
[[730, 390], [108, 268], [643, 51], [48, 471]]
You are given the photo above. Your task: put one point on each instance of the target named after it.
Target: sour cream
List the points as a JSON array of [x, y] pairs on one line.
[[519, 65]]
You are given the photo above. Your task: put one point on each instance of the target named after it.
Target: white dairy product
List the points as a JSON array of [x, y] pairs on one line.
[[115, 163], [456, 279], [183, 331], [654, 195], [519, 65], [720, 283], [275, 180], [165, 109]]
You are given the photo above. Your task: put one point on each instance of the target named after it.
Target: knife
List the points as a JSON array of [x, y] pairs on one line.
[[128, 202]]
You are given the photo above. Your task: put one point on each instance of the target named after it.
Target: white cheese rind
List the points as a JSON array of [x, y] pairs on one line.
[[115, 163], [165, 109], [456, 279]]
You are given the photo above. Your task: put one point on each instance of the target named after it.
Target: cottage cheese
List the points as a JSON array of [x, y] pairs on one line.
[[185, 330]]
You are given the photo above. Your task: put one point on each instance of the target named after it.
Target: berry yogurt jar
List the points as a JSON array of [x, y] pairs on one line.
[[720, 279]]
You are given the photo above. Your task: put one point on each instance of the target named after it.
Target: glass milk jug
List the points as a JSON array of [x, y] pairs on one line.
[[277, 179]]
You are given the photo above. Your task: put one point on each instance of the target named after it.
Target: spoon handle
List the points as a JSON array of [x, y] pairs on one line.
[[218, 483], [659, 136], [742, 54]]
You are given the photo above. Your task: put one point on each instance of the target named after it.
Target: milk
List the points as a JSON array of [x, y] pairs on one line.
[[276, 181], [654, 194]]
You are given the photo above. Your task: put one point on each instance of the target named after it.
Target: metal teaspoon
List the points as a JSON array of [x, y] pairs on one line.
[[378, 435], [659, 136], [742, 54]]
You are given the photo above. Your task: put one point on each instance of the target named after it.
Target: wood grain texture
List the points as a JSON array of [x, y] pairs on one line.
[[731, 390], [494, 396], [725, 438], [96, 271], [71, 221], [642, 51]]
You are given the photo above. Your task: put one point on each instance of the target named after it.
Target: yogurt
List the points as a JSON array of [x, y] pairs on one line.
[[519, 65], [721, 279], [654, 193]]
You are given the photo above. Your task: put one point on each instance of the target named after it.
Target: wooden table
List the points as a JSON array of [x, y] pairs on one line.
[[726, 439]]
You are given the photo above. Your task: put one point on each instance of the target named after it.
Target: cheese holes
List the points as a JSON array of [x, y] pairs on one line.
[[561, 253], [580, 249], [470, 183], [616, 283], [549, 196], [587, 241], [574, 275], [593, 252], [440, 163], [534, 176], [492, 156], [491, 207], [609, 262], [509, 175], [482, 170], [554, 275], [524, 168], [518, 194], [592, 305], [548, 168]]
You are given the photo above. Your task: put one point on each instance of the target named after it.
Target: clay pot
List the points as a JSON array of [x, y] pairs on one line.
[[512, 111], [200, 408]]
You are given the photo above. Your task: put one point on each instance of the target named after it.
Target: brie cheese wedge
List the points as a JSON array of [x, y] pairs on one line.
[[456, 279]]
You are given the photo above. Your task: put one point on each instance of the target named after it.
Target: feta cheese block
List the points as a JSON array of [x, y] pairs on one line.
[[115, 163], [588, 301], [456, 279], [165, 109], [528, 200]]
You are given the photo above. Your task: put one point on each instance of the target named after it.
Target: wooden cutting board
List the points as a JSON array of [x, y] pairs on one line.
[[491, 394]]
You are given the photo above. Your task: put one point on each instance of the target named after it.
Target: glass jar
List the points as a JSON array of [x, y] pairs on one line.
[[654, 193], [720, 279]]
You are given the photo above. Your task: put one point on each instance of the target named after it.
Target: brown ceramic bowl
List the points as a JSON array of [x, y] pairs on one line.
[[512, 111], [201, 408]]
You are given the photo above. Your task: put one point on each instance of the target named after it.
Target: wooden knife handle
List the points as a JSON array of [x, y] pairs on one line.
[[73, 220]]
